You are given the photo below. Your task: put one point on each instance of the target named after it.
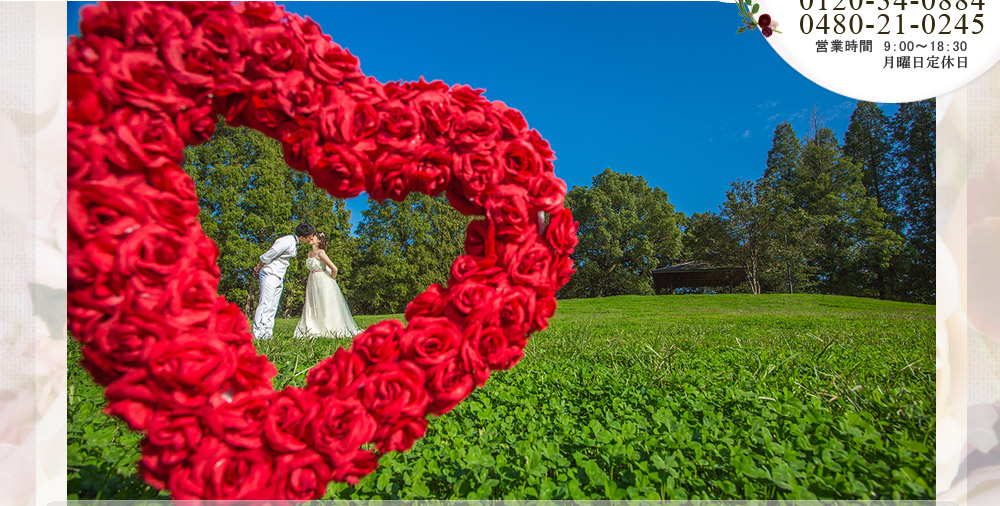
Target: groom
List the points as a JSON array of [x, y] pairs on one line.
[[271, 269]]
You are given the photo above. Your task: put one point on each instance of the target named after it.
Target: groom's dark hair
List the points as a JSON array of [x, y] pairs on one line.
[[304, 230]]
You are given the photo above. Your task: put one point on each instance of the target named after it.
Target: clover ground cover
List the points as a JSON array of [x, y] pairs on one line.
[[721, 396]]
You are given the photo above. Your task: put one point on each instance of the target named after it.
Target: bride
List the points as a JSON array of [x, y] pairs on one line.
[[325, 313]]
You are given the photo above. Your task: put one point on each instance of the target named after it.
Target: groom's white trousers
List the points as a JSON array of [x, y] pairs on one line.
[[270, 294]]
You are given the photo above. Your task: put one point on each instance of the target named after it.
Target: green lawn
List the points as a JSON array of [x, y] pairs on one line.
[[696, 396]]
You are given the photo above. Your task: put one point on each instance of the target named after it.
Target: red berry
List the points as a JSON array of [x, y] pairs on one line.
[[764, 20]]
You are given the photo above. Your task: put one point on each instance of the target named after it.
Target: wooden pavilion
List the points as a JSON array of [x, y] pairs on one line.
[[696, 275]]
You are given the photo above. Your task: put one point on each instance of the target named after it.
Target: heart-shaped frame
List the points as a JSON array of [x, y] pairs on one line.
[[177, 360]]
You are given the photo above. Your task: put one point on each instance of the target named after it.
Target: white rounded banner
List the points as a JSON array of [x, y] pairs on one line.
[[884, 50]]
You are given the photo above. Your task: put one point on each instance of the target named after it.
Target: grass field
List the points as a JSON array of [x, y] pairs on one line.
[[698, 396]]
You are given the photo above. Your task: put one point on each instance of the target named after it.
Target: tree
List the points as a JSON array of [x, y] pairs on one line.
[[627, 229], [404, 247], [249, 197], [784, 154], [753, 226], [914, 133], [796, 239], [868, 143], [705, 239], [849, 226]]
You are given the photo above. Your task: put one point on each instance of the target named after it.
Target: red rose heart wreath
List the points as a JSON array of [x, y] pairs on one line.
[[177, 360]]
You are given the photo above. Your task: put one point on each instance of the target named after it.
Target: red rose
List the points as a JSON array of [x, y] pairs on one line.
[[562, 269], [296, 143], [480, 239], [471, 299], [148, 255], [561, 232], [87, 155], [102, 207], [260, 13], [105, 19], [190, 296], [144, 140], [529, 265], [388, 180], [141, 80], [461, 202], [115, 350], [508, 210], [299, 95], [241, 420], [252, 370], [448, 383], [288, 419], [433, 101], [379, 343], [172, 179], [431, 173], [191, 367], [228, 320], [400, 126], [131, 398], [338, 170], [547, 192], [357, 121], [342, 426], [84, 103], [429, 341], [495, 348], [264, 112], [429, 303], [219, 30], [195, 125], [541, 147], [276, 51], [340, 375], [511, 120], [300, 476], [476, 268], [475, 173], [177, 435], [517, 310], [395, 389], [218, 472], [472, 360], [519, 160], [401, 434], [546, 308], [330, 63], [360, 464]]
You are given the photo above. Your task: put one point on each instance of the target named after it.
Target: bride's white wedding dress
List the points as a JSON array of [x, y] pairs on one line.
[[325, 313]]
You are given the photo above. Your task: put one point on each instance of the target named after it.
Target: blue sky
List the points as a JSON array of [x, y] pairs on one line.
[[662, 90]]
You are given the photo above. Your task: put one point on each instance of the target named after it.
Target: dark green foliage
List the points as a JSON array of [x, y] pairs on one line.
[[868, 142], [852, 220], [627, 229], [404, 247], [696, 397], [249, 197], [914, 130]]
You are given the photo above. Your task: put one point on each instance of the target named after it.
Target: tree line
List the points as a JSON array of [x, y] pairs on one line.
[[846, 218], [850, 218]]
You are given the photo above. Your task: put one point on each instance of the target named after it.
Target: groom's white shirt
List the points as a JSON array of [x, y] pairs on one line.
[[276, 259]]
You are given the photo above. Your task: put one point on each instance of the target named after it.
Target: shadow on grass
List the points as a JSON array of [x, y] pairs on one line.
[[103, 482]]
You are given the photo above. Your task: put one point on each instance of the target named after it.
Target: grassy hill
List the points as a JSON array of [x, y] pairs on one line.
[[697, 396]]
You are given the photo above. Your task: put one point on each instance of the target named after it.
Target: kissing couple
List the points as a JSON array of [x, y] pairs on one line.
[[325, 313]]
